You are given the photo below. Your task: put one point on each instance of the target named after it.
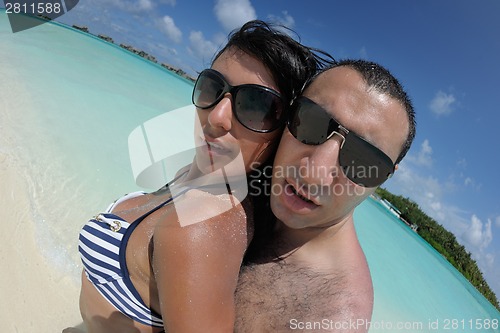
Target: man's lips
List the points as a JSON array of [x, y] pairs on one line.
[[299, 195], [298, 190]]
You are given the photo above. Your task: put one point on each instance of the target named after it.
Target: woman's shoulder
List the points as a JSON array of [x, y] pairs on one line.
[[202, 222], [198, 205], [132, 198]]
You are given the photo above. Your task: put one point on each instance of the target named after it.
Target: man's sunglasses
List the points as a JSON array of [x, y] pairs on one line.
[[256, 107], [363, 163]]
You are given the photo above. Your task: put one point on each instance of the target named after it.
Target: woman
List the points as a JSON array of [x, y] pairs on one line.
[[148, 266]]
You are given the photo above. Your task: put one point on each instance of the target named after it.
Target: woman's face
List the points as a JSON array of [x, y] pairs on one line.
[[222, 137]]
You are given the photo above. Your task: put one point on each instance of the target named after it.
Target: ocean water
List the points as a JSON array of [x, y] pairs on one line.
[[416, 289], [70, 103]]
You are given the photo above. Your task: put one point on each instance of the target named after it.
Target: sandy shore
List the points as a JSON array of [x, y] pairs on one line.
[[34, 296]]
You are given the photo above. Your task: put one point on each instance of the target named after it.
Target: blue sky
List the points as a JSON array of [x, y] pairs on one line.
[[445, 52]]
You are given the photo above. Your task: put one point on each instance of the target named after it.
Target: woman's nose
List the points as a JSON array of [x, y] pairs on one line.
[[221, 115]]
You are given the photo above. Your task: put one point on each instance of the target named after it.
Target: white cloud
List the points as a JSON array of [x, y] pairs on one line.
[[287, 20], [468, 181], [119, 28], [144, 5], [168, 27], [490, 260], [491, 270], [471, 183], [233, 14], [442, 104], [477, 234], [436, 206], [201, 47], [430, 194], [424, 155], [285, 23], [476, 238], [427, 191], [462, 163], [162, 50]]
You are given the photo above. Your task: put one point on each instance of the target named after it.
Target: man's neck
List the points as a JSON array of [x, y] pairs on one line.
[[289, 244], [299, 237]]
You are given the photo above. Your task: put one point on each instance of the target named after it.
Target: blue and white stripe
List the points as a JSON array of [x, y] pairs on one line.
[[102, 245]]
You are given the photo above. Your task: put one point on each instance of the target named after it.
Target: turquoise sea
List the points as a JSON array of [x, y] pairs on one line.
[[416, 289], [68, 103]]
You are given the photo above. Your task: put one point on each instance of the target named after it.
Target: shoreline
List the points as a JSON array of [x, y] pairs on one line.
[[36, 296]]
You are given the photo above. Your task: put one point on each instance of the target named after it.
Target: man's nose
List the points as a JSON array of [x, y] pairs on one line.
[[220, 116], [322, 163]]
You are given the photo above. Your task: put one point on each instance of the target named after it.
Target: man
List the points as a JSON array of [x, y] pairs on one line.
[[345, 136]]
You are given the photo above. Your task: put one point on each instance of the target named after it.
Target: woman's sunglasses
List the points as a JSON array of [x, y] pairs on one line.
[[363, 163], [256, 107]]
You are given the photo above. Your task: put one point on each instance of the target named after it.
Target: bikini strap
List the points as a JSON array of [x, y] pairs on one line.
[[124, 198], [169, 200], [179, 192]]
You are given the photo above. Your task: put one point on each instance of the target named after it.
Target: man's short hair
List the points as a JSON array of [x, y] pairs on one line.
[[380, 79]]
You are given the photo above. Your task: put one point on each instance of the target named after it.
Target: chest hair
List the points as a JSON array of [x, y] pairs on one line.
[[271, 294]]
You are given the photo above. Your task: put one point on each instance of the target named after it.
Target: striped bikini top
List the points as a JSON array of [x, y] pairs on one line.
[[102, 246]]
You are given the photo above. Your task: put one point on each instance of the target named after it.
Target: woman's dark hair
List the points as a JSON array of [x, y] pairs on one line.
[[290, 63]]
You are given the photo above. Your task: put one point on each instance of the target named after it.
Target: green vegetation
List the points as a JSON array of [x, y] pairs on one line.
[[443, 241]]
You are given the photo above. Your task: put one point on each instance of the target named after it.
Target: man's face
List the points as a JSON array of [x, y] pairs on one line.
[[309, 187]]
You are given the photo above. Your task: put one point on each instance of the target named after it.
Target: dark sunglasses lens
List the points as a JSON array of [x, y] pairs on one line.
[[363, 163], [258, 109], [309, 123], [207, 90]]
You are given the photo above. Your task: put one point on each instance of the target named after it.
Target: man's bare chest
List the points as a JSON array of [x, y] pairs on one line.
[[271, 296]]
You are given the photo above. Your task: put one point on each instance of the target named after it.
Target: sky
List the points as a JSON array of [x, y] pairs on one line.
[[445, 52]]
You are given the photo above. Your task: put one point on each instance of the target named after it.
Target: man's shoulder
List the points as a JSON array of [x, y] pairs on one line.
[[337, 293], [352, 275]]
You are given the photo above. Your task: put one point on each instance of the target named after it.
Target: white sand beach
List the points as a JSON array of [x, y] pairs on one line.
[[63, 157], [36, 297]]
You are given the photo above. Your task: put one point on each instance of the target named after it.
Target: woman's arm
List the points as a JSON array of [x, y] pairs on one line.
[[196, 268]]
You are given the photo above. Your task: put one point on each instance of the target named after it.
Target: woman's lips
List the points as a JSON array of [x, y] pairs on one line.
[[216, 151], [215, 146]]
